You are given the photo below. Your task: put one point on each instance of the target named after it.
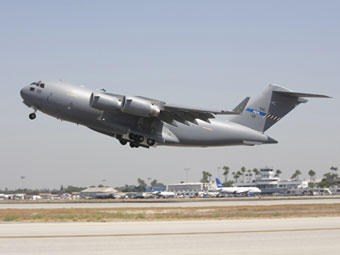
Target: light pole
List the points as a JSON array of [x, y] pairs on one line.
[[219, 172], [186, 173], [22, 181]]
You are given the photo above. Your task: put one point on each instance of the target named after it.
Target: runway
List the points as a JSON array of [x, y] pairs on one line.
[[260, 236], [160, 203]]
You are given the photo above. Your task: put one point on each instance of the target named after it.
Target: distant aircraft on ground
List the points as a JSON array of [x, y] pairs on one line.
[[164, 194], [145, 122], [237, 190]]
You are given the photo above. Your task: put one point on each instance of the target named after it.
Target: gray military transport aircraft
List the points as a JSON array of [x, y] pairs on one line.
[[146, 122]]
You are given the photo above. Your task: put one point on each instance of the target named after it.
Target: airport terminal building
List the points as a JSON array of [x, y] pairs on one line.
[[268, 183], [189, 189]]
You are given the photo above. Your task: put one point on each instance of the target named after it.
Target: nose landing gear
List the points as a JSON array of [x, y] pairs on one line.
[[32, 116]]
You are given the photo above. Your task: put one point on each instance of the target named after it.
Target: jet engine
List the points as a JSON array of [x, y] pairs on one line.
[[140, 107], [106, 102], [131, 105]]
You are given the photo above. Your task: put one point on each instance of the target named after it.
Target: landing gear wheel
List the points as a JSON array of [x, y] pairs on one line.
[[131, 136], [150, 142], [32, 116], [134, 145], [123, 141], [140, 139]]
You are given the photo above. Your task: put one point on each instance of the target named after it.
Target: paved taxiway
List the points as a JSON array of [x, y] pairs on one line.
[[205, 203], [260, 236]]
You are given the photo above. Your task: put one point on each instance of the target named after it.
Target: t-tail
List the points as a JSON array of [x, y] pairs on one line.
[[270, 107], [218, 183]]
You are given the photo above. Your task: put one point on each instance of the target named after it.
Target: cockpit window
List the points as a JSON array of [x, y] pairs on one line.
[[38, 84], [31, 88]]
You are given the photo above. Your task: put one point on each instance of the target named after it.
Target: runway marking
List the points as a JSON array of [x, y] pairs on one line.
[[172, 234]]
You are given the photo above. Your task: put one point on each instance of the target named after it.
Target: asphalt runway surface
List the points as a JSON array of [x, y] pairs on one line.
[[144, 204], [259, 236]]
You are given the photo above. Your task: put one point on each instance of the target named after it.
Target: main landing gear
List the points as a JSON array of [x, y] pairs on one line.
[[136, 138], [136, 141], [150, 142], [134, 145], [123, 141]]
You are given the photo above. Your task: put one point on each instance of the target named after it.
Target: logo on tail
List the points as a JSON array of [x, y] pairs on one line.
[[218, 183]]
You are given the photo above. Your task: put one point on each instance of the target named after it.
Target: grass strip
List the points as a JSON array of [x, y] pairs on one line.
[[169, 213]]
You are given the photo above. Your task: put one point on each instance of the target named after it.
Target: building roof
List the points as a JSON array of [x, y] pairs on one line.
[[187, 183]]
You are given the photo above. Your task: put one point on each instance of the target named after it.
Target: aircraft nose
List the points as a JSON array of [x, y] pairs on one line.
[[23, 93]]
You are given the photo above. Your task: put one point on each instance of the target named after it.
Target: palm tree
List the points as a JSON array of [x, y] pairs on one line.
[[236, 176], [141, 185], [209, 176], [206, 178], [334, 174], [249, 174], [243, 171], [277, 173], [311, 174], [233, 174], [239, 174], [154, 183], [256, 172], [331, 177], [295, 175], [225, 173], [334, 168]]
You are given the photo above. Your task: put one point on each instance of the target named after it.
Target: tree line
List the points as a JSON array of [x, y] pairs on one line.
[[243, 175], [329, 179]]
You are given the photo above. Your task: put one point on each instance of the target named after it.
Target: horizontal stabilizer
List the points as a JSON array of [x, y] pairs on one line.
[[296, 94]]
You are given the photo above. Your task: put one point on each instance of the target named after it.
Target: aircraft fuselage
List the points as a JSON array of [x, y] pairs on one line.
[[71, 103]]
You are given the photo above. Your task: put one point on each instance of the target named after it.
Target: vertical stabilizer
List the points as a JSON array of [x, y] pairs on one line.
[[270, 107], [218, 183]]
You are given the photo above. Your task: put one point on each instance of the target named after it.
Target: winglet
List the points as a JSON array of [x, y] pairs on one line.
[[240, 108]]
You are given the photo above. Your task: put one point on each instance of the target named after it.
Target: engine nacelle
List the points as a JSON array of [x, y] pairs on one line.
[[140, 107], [106, 102]]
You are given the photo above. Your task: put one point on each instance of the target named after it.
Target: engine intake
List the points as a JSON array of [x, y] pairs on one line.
[[106, 102], [131, 105]]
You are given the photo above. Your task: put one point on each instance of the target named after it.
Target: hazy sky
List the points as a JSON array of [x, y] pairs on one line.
[[196, 53]]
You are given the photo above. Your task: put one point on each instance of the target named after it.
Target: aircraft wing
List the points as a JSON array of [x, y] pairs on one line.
[[183, 114], [179, 108]]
